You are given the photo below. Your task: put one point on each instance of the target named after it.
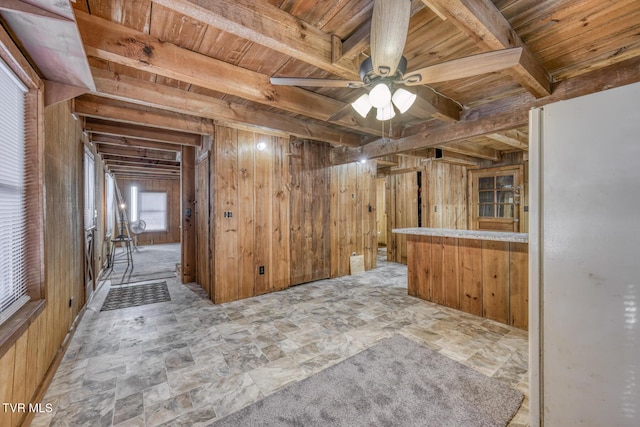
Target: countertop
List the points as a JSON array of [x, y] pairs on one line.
[[500, 236]]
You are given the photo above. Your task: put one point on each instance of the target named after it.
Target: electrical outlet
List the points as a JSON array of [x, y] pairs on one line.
[[261, 269]]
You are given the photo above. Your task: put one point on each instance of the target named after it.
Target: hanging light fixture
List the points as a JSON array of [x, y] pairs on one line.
[[403, 99], [385, 113], [362, 105], [380, 95]]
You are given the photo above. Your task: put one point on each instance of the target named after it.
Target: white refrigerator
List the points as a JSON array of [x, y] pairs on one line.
[[584, 260]]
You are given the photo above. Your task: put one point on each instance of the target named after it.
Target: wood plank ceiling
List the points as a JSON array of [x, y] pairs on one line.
[[184, 65]]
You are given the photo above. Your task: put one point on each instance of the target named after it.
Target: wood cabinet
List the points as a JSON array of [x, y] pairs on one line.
[[488, 278]]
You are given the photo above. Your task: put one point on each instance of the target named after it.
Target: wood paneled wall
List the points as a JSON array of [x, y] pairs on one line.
[[381, 211], [444, 196], [250, 216], [24, 366], [283, 208], [482, 277], [443, 190], [353, 216], [172, 188], [310, 211], [202, 215]]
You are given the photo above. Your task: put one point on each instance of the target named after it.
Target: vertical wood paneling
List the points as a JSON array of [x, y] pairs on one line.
[[353, 216], [485, 278], [381, 211], [495, 278], [263, 194], [450, 270], [202, 224], [310, 210], [519, 285], [226, 200], [254, 186], [297, 213], [20, 376], [437, 270], [281, 252], [188, 196], [420, 263], [470, 253], [246, 215], [7, 365]]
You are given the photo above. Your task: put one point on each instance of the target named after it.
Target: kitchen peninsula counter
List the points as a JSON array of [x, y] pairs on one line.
[[479, 272]]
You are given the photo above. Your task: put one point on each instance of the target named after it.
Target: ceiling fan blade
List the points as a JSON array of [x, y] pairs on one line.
[[300, 81], [468, 66], [389, 27]]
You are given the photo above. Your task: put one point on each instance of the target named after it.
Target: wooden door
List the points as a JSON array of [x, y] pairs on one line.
[[494, 198]]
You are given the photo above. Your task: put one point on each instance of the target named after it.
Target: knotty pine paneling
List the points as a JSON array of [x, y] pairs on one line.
[[353, 216], [250, 214], [169, 186]]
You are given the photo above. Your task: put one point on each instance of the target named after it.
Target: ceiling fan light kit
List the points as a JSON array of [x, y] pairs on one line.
[[386, 68], [362, 105], [385, 113]]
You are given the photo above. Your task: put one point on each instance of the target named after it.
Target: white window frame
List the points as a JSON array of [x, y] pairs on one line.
[[13, 226]]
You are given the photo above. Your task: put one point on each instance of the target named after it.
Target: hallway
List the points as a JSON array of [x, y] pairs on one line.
[[188, 362]]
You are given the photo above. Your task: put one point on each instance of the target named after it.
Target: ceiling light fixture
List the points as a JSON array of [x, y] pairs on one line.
[[380, 97]]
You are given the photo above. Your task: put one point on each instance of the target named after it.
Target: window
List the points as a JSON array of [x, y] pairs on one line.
[[89, 190], [13, 241], [494, 198], [153, 210]]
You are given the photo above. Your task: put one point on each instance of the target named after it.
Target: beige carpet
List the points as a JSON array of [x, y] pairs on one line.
[[397, 382]]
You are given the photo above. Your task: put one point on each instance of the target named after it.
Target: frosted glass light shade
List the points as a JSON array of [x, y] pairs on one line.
[[380, 95], [386, 112], [403, 99], [362, 105]]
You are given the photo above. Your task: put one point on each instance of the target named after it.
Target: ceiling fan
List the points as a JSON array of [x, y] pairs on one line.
[[386, 69]]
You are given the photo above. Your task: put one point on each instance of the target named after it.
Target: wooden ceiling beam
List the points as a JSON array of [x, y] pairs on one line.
[[119, 141], [141, 132], [513, 138], [130, 168], [138, 161], [113, 42], [141, 166], [99, 108], [142, 92], [143, 176], [498, 117], [267, 25], [135, 152], [429, 104], [472, 149], [482, 21]]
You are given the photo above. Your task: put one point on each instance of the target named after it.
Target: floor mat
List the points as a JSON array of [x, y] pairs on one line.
[[136, 295]]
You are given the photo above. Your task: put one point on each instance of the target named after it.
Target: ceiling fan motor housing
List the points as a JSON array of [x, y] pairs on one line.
[[367, 75]]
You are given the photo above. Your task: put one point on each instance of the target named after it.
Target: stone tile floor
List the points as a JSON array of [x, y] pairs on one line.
[[188, 362]]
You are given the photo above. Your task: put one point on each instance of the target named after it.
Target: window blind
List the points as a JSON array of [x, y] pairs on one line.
[[153, 210], [13, 245]]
